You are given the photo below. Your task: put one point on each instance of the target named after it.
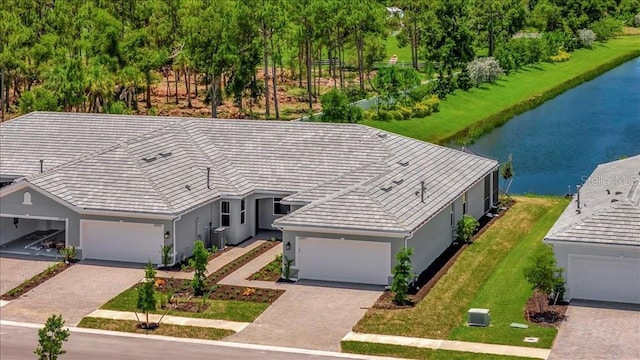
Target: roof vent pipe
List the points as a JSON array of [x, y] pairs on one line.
[[41, 165], [578, 196], [208, 178]]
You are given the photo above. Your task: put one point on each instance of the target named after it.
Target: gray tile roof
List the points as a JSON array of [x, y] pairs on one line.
[[610, 207], [158, 165]]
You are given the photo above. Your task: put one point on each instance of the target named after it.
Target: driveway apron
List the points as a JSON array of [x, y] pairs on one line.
[[595, 330], [74, 293], [310, 315]]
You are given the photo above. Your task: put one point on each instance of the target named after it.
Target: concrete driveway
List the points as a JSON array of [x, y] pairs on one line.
[[596, 330], [310, 315], [14, 272], [73, 293]]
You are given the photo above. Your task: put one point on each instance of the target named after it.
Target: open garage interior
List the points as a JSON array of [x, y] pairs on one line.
[[366, 262], [121, 241], [618, 278], [23, 235]]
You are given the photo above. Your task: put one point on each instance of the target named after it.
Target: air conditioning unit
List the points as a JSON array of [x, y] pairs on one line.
[[479, 317]]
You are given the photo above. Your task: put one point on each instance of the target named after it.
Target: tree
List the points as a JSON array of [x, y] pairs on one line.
[[545, 277], [507, 173], [402, 275], [146, 294], [484, 70], [497, 20], [466, 227], [586, 37], [336, 108], [51, 337], [199, 264]]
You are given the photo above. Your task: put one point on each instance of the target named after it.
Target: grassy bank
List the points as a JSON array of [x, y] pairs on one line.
[[466, 115], [487, 272]]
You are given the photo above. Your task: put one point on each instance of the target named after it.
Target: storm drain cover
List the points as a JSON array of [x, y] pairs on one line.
[[531, 339]]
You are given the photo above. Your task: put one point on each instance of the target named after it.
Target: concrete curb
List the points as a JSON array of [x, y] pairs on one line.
[[450, 345], [174, 320]]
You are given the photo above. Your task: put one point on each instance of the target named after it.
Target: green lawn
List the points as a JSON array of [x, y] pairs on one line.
[[490, 269], [404, 53], [193, 332], [464, 109], [244, 311], [409, 352]]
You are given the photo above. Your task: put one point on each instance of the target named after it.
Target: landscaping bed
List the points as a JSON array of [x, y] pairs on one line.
[[551, 315], [438, 268], [270, 272], [182, 288], [241, 261], [131, 326], [184, 264], [36, 280]]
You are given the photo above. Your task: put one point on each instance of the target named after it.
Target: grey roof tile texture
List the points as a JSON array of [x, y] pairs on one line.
[[609, 207], [339, 169]]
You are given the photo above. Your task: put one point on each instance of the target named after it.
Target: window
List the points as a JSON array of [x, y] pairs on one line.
[[487, 193], [225, 214], [26, 200], [495, 187], [464, 203], [279, 209], [242, 212], [453, 215]]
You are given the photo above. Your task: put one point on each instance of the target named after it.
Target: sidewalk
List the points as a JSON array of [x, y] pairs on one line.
[[436, 344], [175, 320], [239, 277], [218, 262]]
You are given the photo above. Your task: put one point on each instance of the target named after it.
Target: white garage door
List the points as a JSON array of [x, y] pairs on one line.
[[604, 278], [121, 241], [365, 262]]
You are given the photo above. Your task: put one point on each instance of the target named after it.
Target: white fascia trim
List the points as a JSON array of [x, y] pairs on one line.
[[28, 216], [294, 203], [126, 214], [381, 234], [569, 243]]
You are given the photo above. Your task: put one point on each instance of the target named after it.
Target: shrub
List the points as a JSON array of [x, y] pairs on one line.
[[406, 112], [68, 253], [38, 99], [402, 275], [561, 57], [395, 115], [420, 92], [465, 228], [382, 115], [166, 254], [586, 37], [546, 277], [636, 20], [367, 115], [421, 110], [606, 28], [464, 80], [335, 106], [483, 70], [433, 103]]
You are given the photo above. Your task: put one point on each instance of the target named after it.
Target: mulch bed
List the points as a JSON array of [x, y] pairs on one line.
[[181, 289], [551, 316], [269, 272], [438, 268], [36, 280]]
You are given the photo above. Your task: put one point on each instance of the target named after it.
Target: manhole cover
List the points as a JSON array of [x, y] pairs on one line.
[[531, 339]]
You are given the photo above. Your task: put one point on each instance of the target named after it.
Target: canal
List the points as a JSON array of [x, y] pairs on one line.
[[559, 143]]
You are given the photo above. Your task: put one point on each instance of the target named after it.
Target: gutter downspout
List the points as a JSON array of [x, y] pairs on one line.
[[175, 251]]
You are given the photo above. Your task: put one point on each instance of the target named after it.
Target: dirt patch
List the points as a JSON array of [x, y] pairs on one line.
[[36, 280], [237, 293], [438, 268], [550, 314]]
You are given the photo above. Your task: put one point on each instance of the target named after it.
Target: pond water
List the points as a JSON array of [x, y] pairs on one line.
[[560, 143]]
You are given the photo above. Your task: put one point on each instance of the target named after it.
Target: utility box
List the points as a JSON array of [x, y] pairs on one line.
[[220, 237], [479, 317]]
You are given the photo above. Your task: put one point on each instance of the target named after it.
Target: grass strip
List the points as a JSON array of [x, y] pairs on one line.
[[36, 280], [192, 332], [410, 352]]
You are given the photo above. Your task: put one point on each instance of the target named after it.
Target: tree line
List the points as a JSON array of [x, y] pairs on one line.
[[105, 55]]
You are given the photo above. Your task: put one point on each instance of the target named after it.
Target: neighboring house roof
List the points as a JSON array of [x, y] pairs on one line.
[[352, 176], [609, 207]]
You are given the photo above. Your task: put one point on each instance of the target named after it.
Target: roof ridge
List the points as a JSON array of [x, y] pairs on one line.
[[196, 143]]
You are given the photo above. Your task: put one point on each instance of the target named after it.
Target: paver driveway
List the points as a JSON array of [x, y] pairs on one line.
[[14, 272], [310, 315], [595, 330], [73, 293]]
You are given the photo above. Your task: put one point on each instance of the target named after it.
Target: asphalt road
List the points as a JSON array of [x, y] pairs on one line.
[[17, 343]]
